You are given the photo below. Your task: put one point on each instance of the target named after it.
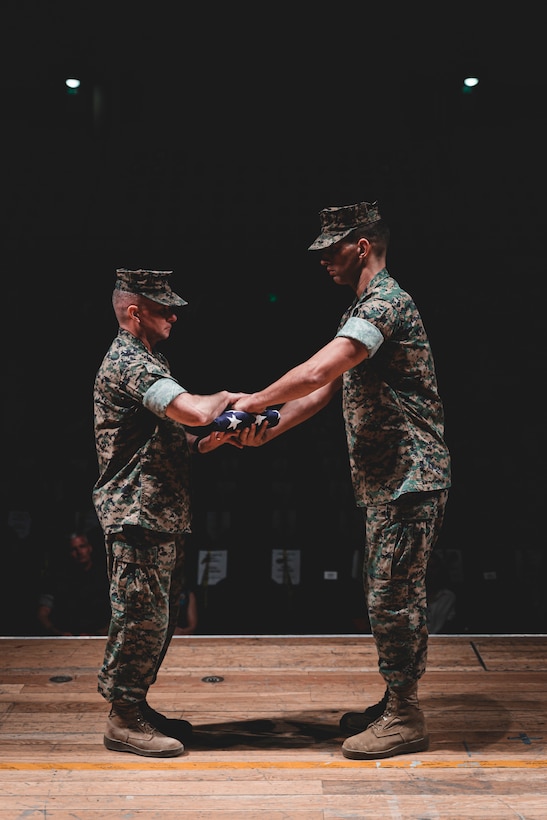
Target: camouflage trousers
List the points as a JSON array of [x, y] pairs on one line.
[[146, 579], [398, 542]]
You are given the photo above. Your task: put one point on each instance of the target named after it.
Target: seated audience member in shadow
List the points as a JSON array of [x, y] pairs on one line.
[[74, 597], [187, 621]]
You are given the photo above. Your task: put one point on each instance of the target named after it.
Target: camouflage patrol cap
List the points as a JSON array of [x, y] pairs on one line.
[[150, 283], [338, 222]]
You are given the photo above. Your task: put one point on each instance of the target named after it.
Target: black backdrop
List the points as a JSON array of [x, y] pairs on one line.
[[206, 144]]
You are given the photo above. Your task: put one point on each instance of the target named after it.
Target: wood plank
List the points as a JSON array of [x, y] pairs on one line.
[[267, 740]]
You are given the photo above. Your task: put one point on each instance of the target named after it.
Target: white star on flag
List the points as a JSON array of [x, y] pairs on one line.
[[259, 418], [234, 422]]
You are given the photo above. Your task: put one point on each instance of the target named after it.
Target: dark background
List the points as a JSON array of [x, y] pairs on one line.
[[205, 140]]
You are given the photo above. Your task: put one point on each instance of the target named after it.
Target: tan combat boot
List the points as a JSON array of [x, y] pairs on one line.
[[400, 730], [128, 731]]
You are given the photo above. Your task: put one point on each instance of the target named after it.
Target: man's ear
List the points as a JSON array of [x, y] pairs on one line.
[[363, 246]]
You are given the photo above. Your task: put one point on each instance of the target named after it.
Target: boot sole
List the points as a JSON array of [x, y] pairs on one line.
[[420, 745], [120, 746]]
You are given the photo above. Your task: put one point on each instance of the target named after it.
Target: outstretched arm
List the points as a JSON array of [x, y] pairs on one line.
[[324, 367], [292, 413], [195, 410]]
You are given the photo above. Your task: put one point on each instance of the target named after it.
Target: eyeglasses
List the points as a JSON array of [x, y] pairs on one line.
[[165, 311]]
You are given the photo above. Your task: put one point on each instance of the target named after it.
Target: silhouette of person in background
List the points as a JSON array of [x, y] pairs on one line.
[[74, 599], [187, 621]]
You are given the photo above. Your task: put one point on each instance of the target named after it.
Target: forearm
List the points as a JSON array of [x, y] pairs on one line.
[[297, 383], [198, 411], [43, 617], [299, 410], [292, 413], [323, 369]]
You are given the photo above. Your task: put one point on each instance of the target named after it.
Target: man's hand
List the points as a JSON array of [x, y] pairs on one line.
[[216, 439], [255, 435], [248, 404]]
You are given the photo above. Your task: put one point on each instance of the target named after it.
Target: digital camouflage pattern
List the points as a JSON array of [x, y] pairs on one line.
[[146, 571], [400, 469], [399, 540], [338, 222], [144, 459], [393, 414], [142, 499], [154, 284]]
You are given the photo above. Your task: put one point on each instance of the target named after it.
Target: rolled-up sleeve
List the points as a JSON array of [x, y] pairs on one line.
[[362, 331], [162, 393]]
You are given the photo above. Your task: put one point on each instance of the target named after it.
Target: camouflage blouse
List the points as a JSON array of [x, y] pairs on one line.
[[393, 414], [143, 456]]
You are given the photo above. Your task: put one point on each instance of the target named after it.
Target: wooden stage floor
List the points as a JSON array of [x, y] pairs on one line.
[[265, 711]]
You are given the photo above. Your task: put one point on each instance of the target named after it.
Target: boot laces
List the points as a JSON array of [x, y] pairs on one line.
[[384, 717], [389, 712], [142, 724], [137, 721]]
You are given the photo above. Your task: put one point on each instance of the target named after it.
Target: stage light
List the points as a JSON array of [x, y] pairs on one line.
[[72, 85], [470, 83]]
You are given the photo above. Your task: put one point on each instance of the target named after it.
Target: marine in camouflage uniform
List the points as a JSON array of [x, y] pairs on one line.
[[399, 460], [142, 500], [400, 468]]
